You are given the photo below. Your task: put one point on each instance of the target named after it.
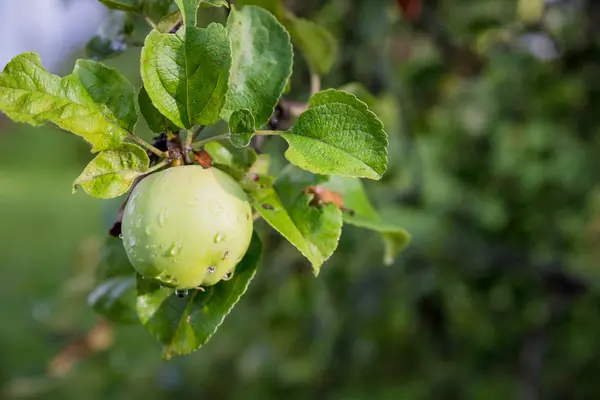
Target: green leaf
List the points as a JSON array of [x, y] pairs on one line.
[[362, 214], [189, 10], [273, 6], [115, 299], [112, 172], [292, 181], [214, 3], [184, 325], [225, 154], [338, 135], [125, 5], [186, 74], [157, 9], [114, 261], [317, 44], [94, 102], [262, 63], [109, 40], [156, 121], [313, 229], [169, 22], [115, 295], [241, 127]]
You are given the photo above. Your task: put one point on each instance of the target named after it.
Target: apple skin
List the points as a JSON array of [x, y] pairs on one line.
[[187, 226]]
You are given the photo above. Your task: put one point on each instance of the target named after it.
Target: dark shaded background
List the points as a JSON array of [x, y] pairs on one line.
[[493, 113]]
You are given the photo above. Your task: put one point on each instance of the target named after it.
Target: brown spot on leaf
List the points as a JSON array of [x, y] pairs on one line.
[[325, 196]]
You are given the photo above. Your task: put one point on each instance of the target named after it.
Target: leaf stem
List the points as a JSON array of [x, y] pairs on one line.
[[197, 130], [156, 167], [315, 83], [150, 22], [198, 145], [148, 146]]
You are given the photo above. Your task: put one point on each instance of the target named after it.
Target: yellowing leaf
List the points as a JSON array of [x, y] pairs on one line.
[[94, 102], [112, 172]]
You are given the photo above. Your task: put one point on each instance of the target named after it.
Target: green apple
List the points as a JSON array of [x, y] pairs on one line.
[[187, 226]]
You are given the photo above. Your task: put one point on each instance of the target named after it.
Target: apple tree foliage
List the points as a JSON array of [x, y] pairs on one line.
[[194, 77]]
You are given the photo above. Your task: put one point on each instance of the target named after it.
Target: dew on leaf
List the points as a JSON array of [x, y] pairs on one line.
[[267, 206]]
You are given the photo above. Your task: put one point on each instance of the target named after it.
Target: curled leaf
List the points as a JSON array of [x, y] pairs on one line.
[[95, 102], [112, 172], [241, 127]]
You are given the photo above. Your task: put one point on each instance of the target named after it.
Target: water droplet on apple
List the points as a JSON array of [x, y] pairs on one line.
[[162, 217], [215, 208], [219, 237], [227, 276], [175, 248], [168, 279]]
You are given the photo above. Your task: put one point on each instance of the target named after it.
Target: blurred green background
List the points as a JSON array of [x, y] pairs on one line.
[[493, 110]]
